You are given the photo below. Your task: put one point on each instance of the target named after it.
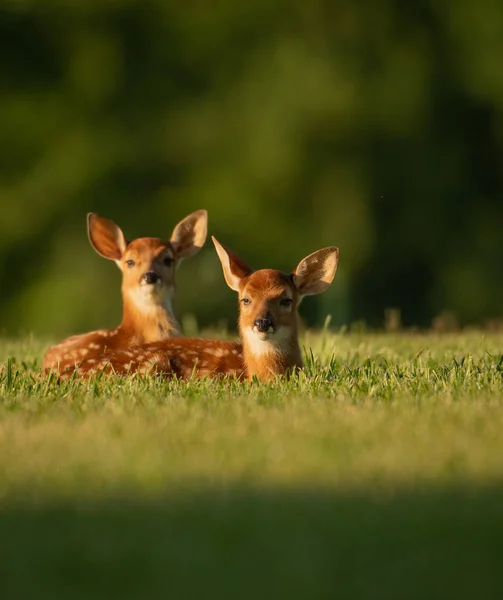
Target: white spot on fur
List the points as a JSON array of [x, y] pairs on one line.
[[93, 346]]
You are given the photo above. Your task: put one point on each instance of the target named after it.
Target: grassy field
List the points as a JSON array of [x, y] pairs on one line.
[[376, 474]]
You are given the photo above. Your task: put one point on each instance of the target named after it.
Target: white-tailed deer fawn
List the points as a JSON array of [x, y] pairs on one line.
[[148, 284], [268, 327]]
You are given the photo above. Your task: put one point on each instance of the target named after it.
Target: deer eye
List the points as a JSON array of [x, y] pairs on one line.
[[130, 263], [246, 301], [168, 261], [286, 302]]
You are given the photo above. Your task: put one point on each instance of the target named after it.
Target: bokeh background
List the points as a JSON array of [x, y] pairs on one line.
[[375, 126]]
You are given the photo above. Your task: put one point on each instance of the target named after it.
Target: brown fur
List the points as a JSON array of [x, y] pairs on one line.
[[183, 358]]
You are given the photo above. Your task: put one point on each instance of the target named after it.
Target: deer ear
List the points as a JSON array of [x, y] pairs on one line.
[[234, 268], [316, 272], [105, 237], [189, 235]]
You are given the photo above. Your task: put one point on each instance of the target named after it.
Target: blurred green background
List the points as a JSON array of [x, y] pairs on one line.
[[374, 125]]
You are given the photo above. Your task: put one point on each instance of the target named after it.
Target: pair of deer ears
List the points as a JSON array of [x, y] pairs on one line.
[[312, 275], [187, 238]]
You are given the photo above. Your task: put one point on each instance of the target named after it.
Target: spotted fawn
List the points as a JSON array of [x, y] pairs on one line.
[[148, 285]]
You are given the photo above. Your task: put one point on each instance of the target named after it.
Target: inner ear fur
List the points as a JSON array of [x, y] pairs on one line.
[[234, 268], [105, 237], [316, 272], [189, 234]]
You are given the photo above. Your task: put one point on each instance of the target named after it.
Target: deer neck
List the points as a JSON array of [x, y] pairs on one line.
[[149, 318], [266, 359]]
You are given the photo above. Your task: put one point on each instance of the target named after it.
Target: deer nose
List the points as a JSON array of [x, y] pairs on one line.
[[263, 325], [151, 277]]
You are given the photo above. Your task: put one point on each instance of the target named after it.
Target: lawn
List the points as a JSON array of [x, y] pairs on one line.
[[377, 473]]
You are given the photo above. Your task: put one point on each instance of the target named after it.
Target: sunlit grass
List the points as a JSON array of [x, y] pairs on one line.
[[383, 439], [375, 409]]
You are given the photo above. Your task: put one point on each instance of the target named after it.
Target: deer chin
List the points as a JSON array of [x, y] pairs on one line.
[[153, 295], [265, 342]]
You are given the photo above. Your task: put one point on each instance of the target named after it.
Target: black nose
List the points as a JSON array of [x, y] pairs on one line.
[[151, 277], [263, 325]]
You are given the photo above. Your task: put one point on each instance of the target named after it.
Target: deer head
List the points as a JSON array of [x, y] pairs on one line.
[[268, 302], [148, 264]]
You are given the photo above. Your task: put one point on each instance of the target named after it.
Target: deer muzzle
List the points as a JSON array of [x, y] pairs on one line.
[[263, 326], [150, 278]]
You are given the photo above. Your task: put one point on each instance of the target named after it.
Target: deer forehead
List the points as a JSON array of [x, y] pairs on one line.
[[268, 284], [148, 249]]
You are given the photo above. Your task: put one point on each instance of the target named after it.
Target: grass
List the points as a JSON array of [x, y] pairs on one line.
[[377, 473]]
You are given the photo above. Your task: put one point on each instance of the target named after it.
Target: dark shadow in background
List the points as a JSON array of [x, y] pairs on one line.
[[243, 543]]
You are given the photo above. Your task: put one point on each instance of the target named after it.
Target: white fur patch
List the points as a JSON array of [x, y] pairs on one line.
[[269, 343], [151, 297], [154, 306]]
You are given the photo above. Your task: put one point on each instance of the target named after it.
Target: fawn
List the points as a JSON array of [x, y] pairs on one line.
[[268, 327], [148, 284]]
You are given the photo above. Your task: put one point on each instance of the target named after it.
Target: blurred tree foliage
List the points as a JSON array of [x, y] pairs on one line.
[[374, 125]]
